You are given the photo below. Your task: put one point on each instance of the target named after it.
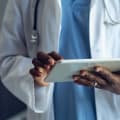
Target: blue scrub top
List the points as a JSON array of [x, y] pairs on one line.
[[72, 101]]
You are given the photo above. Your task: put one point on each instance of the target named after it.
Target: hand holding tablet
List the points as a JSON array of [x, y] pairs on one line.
[[64, 69]]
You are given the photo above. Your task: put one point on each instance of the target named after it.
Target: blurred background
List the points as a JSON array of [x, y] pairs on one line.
[[10, 107]]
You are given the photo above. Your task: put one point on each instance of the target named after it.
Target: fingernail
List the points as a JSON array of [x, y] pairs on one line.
[[52, 62], [41, 70], [98, 69]]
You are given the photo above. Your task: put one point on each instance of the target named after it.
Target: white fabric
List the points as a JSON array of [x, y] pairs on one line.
[[17, 50], [105, 43]]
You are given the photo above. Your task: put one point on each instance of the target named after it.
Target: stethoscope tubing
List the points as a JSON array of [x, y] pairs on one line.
[[35, 15], [34, 35]]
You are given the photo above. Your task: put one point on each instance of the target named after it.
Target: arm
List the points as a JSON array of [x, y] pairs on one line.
[[15, 63]]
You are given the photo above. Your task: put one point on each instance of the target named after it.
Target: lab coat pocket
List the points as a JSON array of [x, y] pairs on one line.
[[112, 12]]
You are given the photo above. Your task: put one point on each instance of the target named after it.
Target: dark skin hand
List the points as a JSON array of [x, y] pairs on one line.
[[43, 63], [100, 77]]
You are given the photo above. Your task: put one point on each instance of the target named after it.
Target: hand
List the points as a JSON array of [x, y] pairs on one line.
[[43, 63], [101, 78]]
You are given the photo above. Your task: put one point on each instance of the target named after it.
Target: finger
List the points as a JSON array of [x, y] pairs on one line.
[[41, 70], [41, 80], [116, 73], [38, 63], [92, 77], [84, 82], [104, 73], [39, 77], [45, 58], [55, 56], [34, 72]]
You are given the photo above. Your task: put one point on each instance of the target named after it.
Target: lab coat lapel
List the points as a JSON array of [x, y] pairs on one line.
[[49, 25]]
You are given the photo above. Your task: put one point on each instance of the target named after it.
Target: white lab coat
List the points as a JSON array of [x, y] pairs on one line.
[[17, 51]]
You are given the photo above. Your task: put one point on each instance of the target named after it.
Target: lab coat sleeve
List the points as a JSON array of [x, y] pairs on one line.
[[15, 63]]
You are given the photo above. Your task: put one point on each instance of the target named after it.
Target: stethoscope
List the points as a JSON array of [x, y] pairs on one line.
[[35, 35]]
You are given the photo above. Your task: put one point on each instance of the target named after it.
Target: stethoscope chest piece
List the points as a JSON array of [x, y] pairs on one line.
[[34, 36]]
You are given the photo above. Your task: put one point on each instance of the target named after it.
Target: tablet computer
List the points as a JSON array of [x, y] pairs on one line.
[[64, 69]]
